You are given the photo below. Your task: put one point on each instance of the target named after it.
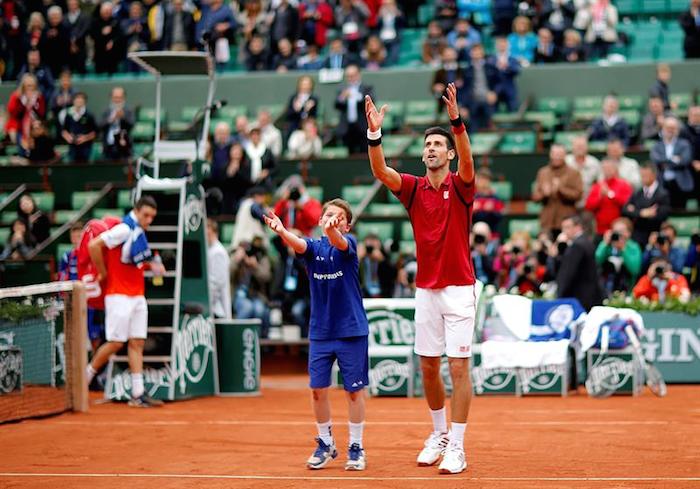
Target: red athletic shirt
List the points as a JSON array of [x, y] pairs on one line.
[[122, 278], [441, 221]]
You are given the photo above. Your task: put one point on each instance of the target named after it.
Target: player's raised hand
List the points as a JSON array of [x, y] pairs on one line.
[[274, 222], [332, 223], [374, 117], [450, 99]]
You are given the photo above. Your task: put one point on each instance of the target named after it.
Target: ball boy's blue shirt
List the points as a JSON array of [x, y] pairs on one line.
[[336, 297]]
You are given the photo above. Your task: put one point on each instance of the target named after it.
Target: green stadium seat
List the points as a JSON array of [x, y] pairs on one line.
[[685, 225], [692, 205], [420, 112], [124, 200], [482, 143], [631, 102], [670, 51], [143, 131], [148, 114], [7, 218], [188, 113], [79, 199], [558, 105], [566, 137], [653, 6], [677, 6], [4, 234], [682, 100], [406, 231], [628, 7], [63, 216], [588, 103], [316, 192], [44, 200], [425, 14], [386, 210], [394, 145], [532, 226], [334, 152], [632, 117], [585, 115], [61, 250], [533, 207], [232, 111], [518, 142], [416, 148], [101, 212], [354, 194], [226, 232], [546, 119], [383, 230], [503, 190]]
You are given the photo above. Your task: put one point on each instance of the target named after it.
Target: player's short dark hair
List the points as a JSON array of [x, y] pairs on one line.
[[81, 94], [339, 203], [439, 131], [77, 226], [147, 201]]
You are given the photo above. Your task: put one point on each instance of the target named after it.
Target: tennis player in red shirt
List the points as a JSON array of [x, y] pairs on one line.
[[439, 206]]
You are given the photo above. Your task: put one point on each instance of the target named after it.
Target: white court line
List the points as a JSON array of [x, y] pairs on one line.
[[351, 478], [236, 422]]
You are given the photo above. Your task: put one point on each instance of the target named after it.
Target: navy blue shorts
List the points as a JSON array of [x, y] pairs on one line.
[[96, 324], [352, 360]]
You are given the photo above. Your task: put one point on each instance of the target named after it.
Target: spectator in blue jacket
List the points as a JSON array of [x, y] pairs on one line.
[[522, 40], [508, 69], [661, 245], [610, 125]]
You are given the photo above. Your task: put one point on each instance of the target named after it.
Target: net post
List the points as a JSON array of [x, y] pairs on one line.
[[79, 348]]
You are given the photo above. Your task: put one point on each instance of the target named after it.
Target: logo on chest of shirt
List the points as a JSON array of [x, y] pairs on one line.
[[446, 194]]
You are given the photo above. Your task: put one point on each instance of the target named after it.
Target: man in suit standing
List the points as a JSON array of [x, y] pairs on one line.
[[648, 207], [352, 128], [578, 274], [673, 156], [338, 58]]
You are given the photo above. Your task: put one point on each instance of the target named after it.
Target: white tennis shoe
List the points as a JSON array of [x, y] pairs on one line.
[[453, 460], [434, 447]]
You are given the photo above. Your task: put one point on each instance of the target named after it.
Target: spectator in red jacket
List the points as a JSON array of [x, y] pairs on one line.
[[25, 105], [660, 282], [488, 207], [608, 196], [296, 208], [316, 18]]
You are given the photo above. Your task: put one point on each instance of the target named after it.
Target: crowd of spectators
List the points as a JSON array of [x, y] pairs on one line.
[[285, 35]]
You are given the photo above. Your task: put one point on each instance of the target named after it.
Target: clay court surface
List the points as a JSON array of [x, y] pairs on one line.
[[262, 442]]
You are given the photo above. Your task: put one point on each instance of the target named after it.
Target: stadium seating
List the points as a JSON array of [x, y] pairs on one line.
[[518, 142], [4, 235], [226, 232], [124, 199], [386, 210], [532, 226], [685, 226], [316, 192], [102, 212], [406, 231], [354, 194], [63, 216], [503, 190], [44, 200], [383, 230], [79, 199]]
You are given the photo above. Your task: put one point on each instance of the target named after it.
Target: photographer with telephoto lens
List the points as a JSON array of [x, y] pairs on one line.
[[619, 257], [661, 283], [661, 246]]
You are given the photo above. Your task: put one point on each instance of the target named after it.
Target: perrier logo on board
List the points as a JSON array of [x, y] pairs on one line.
[[388, 376]]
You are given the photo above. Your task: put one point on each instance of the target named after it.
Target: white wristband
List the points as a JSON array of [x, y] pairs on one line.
[[374, 135]]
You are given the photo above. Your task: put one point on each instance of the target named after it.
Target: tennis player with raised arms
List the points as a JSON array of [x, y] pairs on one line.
[[439, 206], [338, 327]]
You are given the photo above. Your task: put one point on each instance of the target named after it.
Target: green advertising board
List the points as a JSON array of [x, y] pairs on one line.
[[617, 371], [238, 352], [497, 380], [672, 341]]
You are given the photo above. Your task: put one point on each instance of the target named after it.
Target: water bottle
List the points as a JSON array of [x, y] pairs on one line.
[[157, 276]]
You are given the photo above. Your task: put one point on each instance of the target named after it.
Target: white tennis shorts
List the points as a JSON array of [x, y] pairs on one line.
[[126, 317], [445, 321]]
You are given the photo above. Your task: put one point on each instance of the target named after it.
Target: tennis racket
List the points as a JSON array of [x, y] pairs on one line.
[[653, 377], [595, 382]]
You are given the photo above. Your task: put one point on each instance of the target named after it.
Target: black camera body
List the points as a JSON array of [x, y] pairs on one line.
[[661, 240], [479, 239], [614, 237]]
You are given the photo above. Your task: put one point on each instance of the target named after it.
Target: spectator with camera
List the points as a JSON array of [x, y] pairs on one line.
[[483, 250], [661, 282], [619, 257], [376, 271], [648, 207], [510, 258], [296, 208], [291, 288], [406, 277], [251, 273], [577, 275], [661, 245], [692, 262]]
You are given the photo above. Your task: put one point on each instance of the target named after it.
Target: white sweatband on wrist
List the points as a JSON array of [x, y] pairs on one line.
[[374, 135]]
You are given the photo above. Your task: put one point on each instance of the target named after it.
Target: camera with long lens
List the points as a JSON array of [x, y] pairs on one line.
[[516, 250], [614, 237], [479, 239], [527, 269], [661, 240], [294, 194], [659, 270], [561, 247]]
